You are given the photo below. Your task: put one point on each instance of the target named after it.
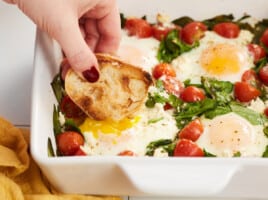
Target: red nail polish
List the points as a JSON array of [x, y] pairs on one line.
[[92, 74]]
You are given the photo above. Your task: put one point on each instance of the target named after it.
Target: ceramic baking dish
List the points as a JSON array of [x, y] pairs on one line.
[[183, 177]]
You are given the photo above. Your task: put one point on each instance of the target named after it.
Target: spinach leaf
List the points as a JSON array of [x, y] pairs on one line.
[[172, 46], [50, 150], [57, 88], [265, 153], [152, 146], [218, 90], [253, 117], [182, 21], [219, 110], [259, 29], [210, 23], [56, 121], [208, 154]]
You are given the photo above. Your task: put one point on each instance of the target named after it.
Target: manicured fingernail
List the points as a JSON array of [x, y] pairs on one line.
[[92, 74]]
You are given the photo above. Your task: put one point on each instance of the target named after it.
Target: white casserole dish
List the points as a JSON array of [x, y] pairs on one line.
[[182, 177]]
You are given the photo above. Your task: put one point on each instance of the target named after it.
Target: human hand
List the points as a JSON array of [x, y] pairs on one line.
[[81, 27]]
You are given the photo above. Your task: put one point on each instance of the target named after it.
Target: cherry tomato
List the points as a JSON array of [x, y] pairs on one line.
[[70, 109], [250, 77], [257, 51], [245, 92], [80, 152], [160, 32], [172, 85], [64, 66], [138, 27], [186, 147], [264, 38], [167, 106], [266, 112], [163, 69], [192, 131], [227, 29], [192, 94], [263, 74], [126, 153], [69, 142], [192, 32]]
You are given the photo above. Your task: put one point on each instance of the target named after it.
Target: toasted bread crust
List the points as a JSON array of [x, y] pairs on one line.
[[119, 93]]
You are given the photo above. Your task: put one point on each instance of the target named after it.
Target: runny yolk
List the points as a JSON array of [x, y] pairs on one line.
[[222, 59], [107, 126]]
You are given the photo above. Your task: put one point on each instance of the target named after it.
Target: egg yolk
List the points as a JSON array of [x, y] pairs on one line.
[[107, 126], [222, 59], [230, 133]]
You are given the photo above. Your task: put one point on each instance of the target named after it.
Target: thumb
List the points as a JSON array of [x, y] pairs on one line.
[[78, 53]]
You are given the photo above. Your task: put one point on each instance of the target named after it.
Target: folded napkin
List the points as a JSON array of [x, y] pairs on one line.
[[20, 177]]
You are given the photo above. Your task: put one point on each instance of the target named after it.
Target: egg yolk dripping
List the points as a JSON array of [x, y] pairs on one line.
[[222, 59], [107, 126]]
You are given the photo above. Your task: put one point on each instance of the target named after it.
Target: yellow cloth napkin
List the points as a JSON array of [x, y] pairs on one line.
[[20, 177]]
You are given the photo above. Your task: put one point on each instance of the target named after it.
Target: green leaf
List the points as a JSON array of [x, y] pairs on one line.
[[70, 125], [56, 121], [252, 116], [211, 22], [152, 146], [123, 20], [237, 154], [265, 153], [218, 90], [57, 87], [152, 121], [219, 110], [182, 21], [208, 154], [172, 46], [50, 150]]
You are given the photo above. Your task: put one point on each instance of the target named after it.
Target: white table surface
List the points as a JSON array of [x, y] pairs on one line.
[[17, 37]]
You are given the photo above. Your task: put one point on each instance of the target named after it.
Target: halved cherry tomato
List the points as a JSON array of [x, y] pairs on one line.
[[138, 27], [70, 109], [79, 152], [172, 85], [167, 106], [163, 69], [193, 32], [186, 147], [266, 112], [160, 32], [264, 38], [257, 51], [69, 142], [192, 94], [263, 74], [126, 153], [192, 131], [245, 92], [250, 77], [227, 29]]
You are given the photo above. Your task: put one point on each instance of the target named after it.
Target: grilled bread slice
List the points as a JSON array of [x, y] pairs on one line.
[[119, 93]]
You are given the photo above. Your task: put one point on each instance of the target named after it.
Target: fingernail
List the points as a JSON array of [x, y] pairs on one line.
[[92, 74]]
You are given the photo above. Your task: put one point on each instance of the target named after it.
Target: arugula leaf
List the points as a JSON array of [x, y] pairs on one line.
[[56, 121], [253, 117], [152, 146], [210, 23], [182, 21], [50, 150], [70, 125], [219, 110], [172, 46], [219, 90]]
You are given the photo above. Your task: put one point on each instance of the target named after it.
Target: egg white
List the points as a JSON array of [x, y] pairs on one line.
[[188, 64]]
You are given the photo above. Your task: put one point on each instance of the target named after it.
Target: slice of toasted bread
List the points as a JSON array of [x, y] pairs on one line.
[[119, 92]]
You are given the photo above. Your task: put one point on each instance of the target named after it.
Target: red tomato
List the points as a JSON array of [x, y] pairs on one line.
[[172, 85], [70, 109], [186, 147], [250, 77], [64, 66], [79, 152], [192, 32], [138, 27], [264, 38], [245, 92], [163, 69], [257, 51], [227, 29], [167, 106], [263, 74], [126, 153], [192, 94], [192, 131], [69, 142], [160, 32], [266, 112]]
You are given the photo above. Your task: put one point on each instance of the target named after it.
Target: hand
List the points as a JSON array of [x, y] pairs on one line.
[[81, 27]]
